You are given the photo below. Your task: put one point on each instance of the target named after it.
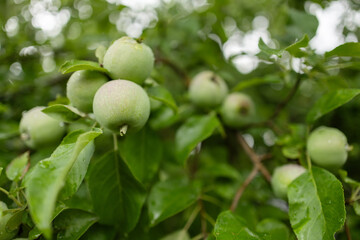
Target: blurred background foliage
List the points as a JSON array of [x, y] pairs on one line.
[[38, 36]]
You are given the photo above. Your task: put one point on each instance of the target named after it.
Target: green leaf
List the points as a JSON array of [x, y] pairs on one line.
[[272, 229], [16, 169], [302, 23], [59, 100], [81, 199], [267, 50], [161, 94], [292, 152], [117, 196], [15, 221], [142, 152], [73, 223], [329, 102], [76, 65], [35, 233], [1, 170], [356, 207], [350, 49], [351, 65], [295, 50], [48, 177], [77, 172], [178, 235], [256, 81], [170, 197], [99, 232], [344, 176], [100, 53], [316, 205], [195, 130], [229, 226], [63, 113]]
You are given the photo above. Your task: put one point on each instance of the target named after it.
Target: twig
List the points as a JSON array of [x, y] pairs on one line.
[[291, 94], [242, 188], [192, 218], [270, 121], [11, 197], [347, 231], [254, 157], [175, 68], [203, 220]]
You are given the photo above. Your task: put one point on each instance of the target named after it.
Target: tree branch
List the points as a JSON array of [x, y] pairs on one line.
[[347, 230], [175, 68], [288, 98], [203, 220], [242, 188], [256, 159]]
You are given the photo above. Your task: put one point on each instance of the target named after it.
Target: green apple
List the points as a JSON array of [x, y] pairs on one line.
[[121, 105], [327, 147], [4, 218], [39, 130], [207, 90], [128, 59], [81, 88], [237, 110], [283, 176]]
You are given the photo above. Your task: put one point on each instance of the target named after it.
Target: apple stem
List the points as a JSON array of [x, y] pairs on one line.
[[123, 130], [349, 148], [24, 136]]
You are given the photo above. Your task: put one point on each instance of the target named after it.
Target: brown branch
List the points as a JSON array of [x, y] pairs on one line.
[[175, 68], [288, 98], [203, 220], [254, 157], [242, 188], [347, 231]]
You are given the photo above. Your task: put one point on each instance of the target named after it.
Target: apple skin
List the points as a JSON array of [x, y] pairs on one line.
[[40, 130], [237, 110], [327, 147], [207, 90], [81, 88], [4, 218], [130, 60], [283, 176], [121, 102]]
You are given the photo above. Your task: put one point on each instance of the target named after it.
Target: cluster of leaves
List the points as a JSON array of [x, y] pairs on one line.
[[186, 175]]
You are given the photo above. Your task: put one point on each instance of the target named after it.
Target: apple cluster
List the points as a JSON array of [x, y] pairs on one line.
[[326, 147], [207, 90], [120, 105]]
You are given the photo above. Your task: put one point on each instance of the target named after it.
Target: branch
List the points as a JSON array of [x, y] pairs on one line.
[[175, 68], [256, 159], [203, 220], [347, 230], [288, 98], [242, 188], [270, 121]]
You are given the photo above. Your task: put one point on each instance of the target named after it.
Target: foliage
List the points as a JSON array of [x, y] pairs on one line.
[[186, 174]]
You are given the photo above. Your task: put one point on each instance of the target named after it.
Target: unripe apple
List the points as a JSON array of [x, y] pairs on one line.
[[327, 147], [237, 110], [207, 90], [81, 88], [4, 218], [283, 176], [128, 59], [39, 130], [121, 105]]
